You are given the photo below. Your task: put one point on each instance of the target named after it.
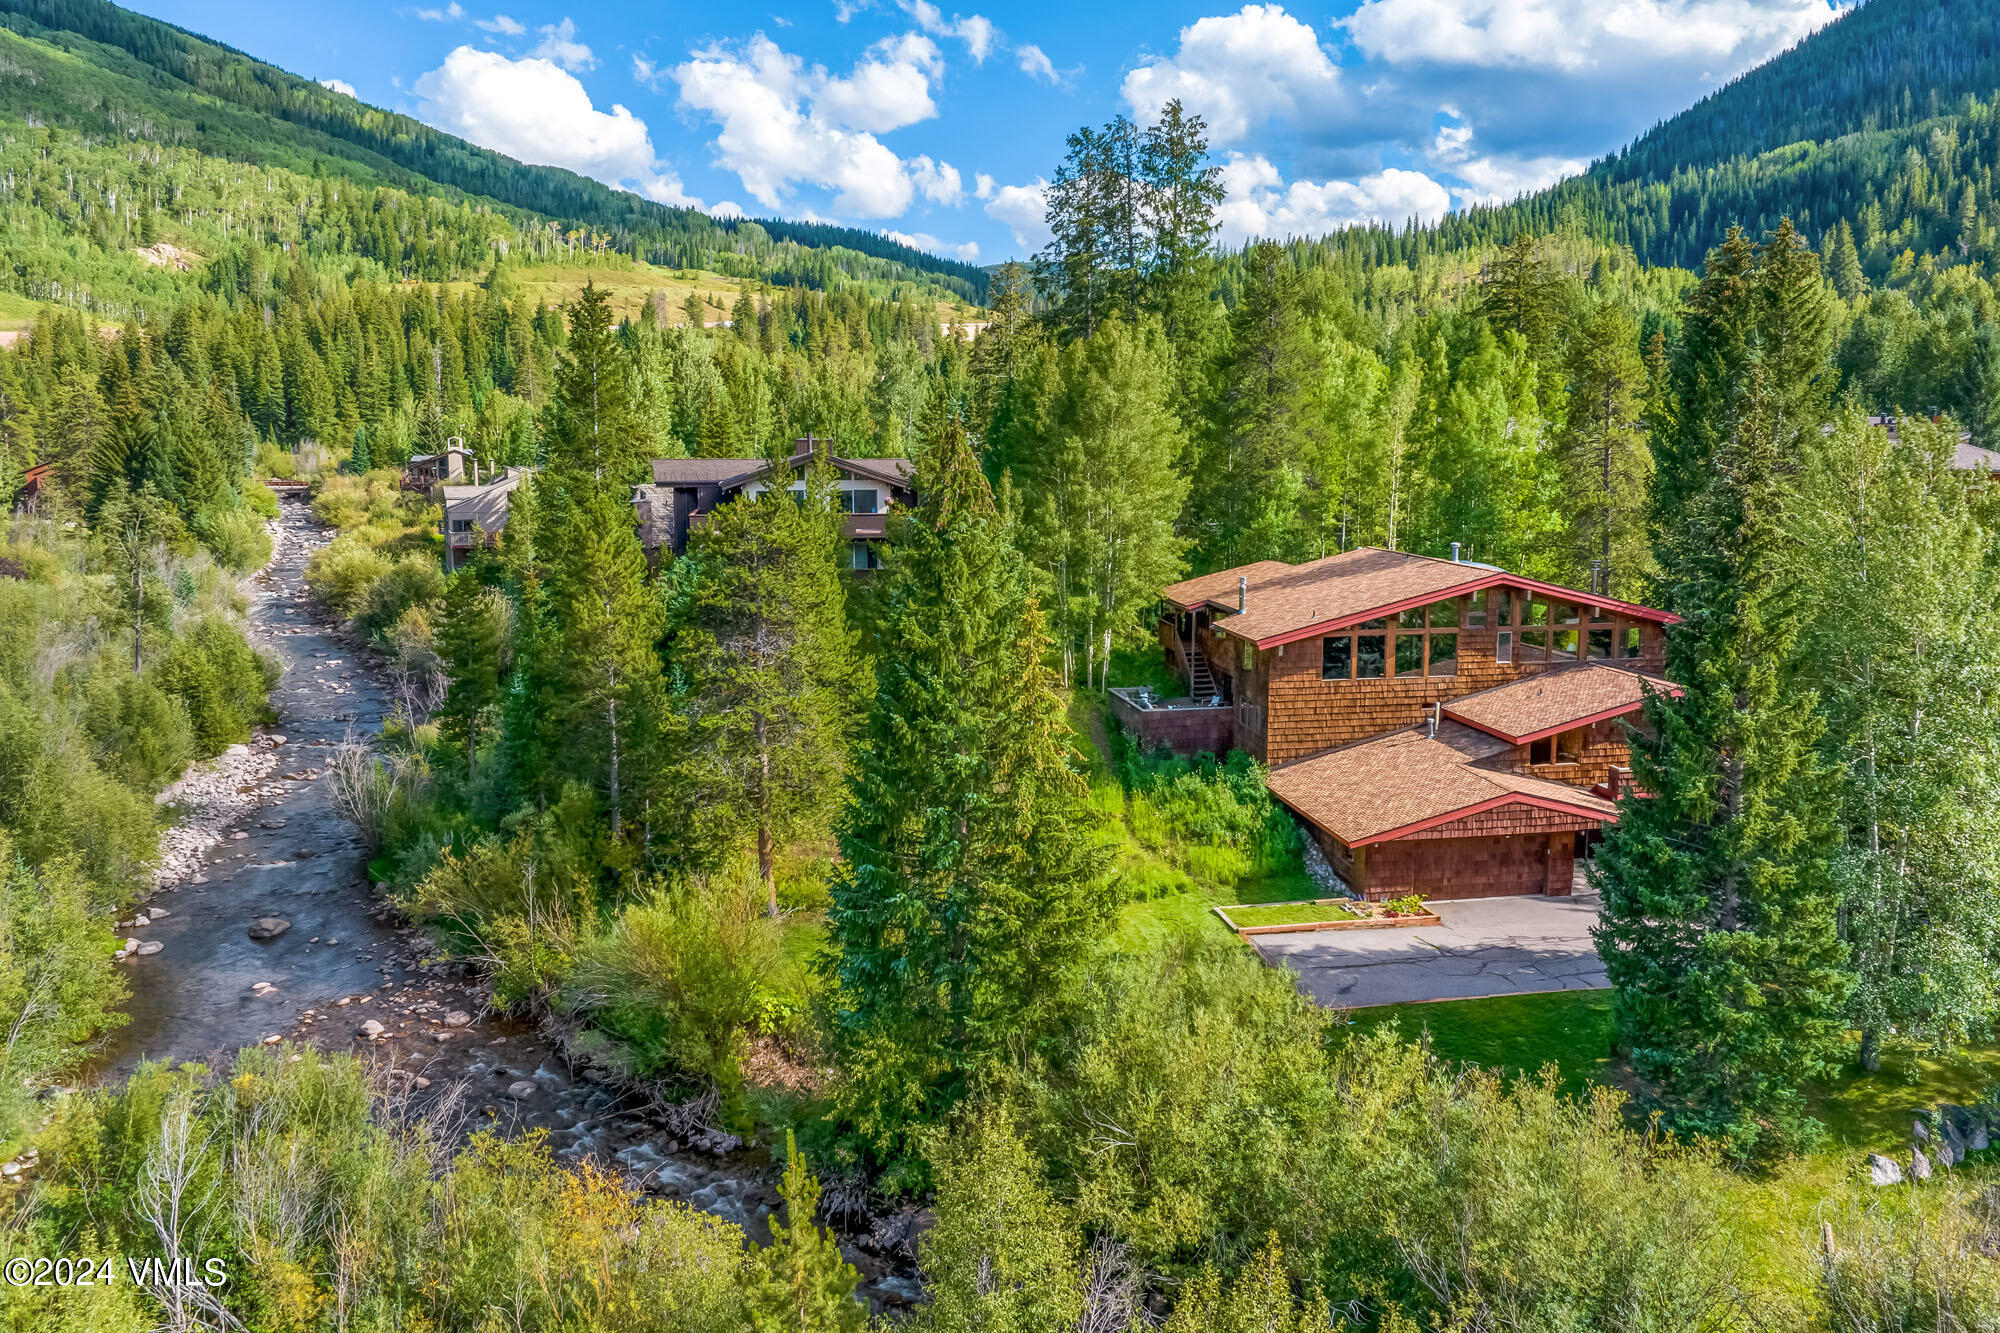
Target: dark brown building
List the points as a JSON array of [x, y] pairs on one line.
[[685, 491], [1441, 727]]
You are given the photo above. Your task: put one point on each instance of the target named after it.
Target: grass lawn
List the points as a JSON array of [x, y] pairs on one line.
[[1291, 914], [1518, 1034]]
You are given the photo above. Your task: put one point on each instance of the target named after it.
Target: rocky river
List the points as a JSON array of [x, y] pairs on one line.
[[257, 842]]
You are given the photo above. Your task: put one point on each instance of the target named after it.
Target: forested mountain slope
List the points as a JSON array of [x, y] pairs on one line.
[[1883, 120], [93, 67]]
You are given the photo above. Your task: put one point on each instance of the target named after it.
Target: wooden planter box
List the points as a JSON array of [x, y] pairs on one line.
[[1377, 918]]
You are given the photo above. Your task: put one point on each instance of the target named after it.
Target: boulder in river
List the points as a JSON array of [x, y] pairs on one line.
[[268, 928], [148, 948], [371, 1029], [457, 1018], [522, 1090]]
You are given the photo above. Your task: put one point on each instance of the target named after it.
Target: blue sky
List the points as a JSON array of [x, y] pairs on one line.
[[940, 124]]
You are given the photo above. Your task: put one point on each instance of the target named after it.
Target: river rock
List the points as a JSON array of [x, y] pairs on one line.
[[420, 1082], [268, 928], [236, 750], [10, 1170], [522, 1090], [457, 1018], [157, 912], [371, 1029], [1920, 1165], [131, 946], [148, 948], [1883, 1170]]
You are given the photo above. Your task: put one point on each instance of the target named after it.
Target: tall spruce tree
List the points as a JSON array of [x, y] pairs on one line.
[[595, 425], [474, 639], [1249, 503], [1602, 451], [773, 671], [1719, 925], [972, 879]]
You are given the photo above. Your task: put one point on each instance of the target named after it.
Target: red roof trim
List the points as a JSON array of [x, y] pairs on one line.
[[1631, 610], [1480, 807], [1558, 729], [1463, 812]]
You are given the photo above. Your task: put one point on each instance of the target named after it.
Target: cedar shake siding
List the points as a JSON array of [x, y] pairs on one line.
[[1440, 727]]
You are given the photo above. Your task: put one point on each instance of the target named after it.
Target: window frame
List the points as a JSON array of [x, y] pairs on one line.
[[1328, 653], [1381, 658]]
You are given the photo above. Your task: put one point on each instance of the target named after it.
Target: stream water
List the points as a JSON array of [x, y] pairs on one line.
[[258, 837]]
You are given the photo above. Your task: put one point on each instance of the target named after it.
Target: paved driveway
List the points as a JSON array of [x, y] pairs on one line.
[[1485, 947]]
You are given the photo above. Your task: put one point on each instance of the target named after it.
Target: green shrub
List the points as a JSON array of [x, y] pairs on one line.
[[143, 735], [260, 499], [678, 977], [56, 802], [223, 682], [235, 536], [1410, 904], [341, 573], [415, 581]]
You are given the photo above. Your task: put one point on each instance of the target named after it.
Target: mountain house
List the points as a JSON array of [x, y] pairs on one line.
[[1440, 727], [685, 491]]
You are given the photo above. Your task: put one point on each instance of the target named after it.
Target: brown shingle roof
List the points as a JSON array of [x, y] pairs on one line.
[[1221, 585], [1344, 585], [1374, 787], [693, 471], [1557, 699], [1290, 602]]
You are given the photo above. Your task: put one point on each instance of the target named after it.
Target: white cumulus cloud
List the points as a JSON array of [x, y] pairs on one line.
[[560, 45], [535, 110], [783, 122], [1238, 71], [889, 88], [1022, 208], [1570, 35], [1260, 204], [923, 240], [976, 31], [341, 86], [1035, 63]]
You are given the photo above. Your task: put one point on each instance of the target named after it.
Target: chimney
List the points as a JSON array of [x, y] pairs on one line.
[[475, 472], [1454, 553], [1242, 593]]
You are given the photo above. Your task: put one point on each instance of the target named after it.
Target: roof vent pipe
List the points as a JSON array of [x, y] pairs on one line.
[[1437, 716], [1454, 553], [1242, 593]]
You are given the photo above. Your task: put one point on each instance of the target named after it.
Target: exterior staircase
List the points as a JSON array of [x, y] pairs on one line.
[[1201, 680]]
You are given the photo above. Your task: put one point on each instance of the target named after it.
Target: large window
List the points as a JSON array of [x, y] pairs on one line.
[[1600, 643], [859, 501], [1337, 658], [1371, 656], [1409, 655], [1503, 647], [1444, 655], [864, 555]]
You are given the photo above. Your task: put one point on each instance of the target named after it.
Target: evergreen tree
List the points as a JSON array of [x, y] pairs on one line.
[[473, 639], [359, 460], [136, 527], [1182, 192], [595, 425], [594, 672], [1845, 267], [1518, 293], [800, 1283], [971, 878], [1603, 454], [1719, 922], [771, 665], [1247, 507]]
